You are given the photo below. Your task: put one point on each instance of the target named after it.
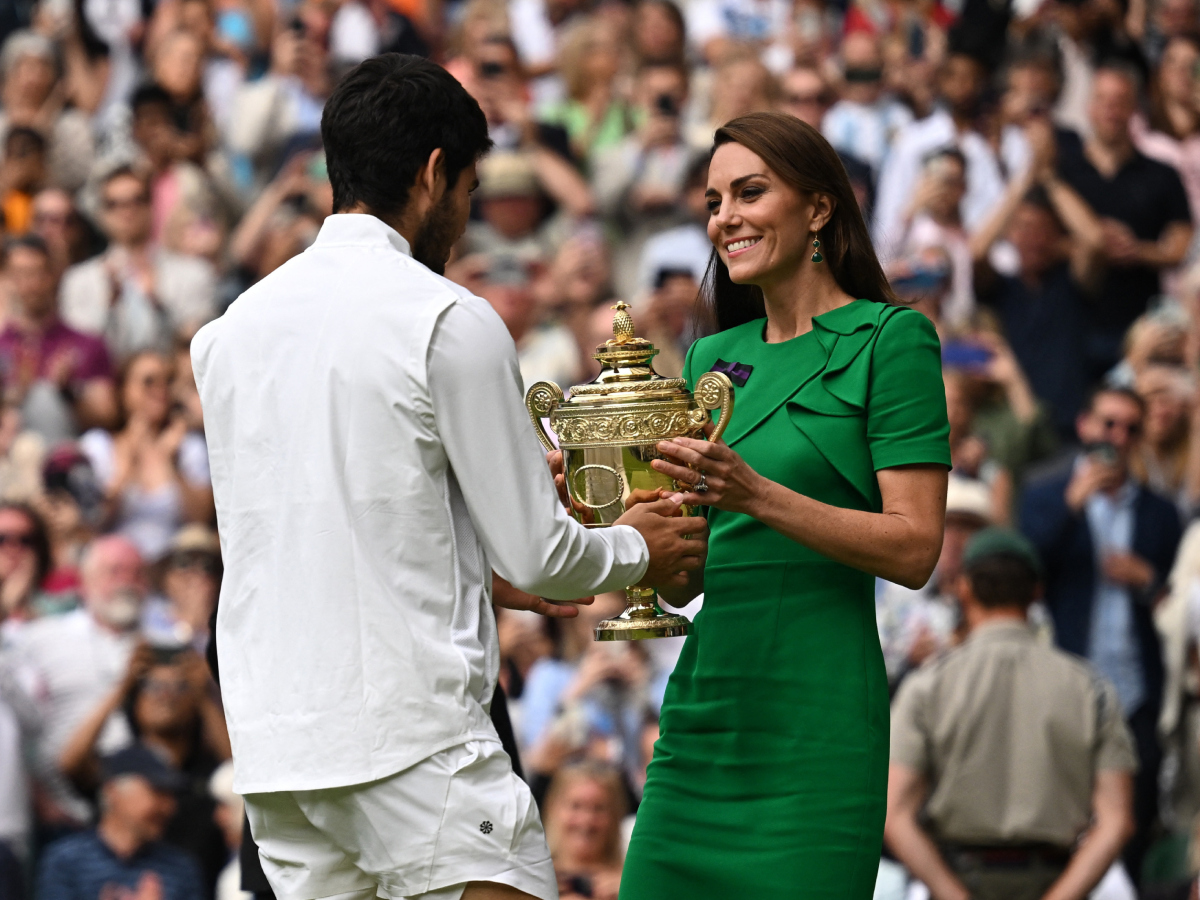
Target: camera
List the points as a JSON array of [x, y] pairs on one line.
[[665, 105]]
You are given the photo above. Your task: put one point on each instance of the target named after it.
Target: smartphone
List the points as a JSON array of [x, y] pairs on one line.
[[1102, 452], [964, 355]]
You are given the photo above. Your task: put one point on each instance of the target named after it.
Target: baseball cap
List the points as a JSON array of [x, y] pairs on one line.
[[1001, 542], [138, 759]]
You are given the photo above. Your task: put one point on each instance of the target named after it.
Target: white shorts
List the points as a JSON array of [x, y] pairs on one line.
[[459, 816]]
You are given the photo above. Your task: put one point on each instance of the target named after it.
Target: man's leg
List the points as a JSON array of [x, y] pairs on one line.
[[489, 890]]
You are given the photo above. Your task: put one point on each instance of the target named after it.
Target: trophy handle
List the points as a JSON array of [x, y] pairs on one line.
[[541, 400], [714, 390]]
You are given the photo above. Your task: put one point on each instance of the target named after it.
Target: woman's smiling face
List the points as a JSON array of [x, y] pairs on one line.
[[761, 226]]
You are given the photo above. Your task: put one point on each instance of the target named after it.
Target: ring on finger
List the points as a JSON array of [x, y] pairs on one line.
[[702, 485]]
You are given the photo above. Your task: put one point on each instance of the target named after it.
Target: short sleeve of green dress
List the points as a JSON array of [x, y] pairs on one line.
[[770, 776]]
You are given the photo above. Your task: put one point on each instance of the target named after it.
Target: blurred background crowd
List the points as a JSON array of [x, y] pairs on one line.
[[1030, 170]]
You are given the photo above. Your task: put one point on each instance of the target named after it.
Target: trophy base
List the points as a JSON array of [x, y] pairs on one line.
[[642, 620]]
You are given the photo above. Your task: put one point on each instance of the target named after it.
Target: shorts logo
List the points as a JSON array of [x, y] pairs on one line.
[[485, 826]]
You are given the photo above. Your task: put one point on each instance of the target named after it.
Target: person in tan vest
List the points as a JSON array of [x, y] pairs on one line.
[[1011, 773]]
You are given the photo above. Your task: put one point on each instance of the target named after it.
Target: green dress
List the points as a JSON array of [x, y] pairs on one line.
[[770, 776]]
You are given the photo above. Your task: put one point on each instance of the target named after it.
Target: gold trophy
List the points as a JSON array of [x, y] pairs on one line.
[[608, 432]]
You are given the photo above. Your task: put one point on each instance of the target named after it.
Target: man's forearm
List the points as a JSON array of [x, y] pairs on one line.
[[1087, 866], [912, 846]]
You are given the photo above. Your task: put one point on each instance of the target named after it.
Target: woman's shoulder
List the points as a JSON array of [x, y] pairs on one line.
[[714, 344]]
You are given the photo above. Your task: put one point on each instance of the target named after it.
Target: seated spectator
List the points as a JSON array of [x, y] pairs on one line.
[[173, 147], [136, 294], [804, 94], [32, 98], [589, 693], [24, 564], [1042, 304], [1006, 752], [639, 182], [154, 470], [865, 120], [685, 247], [61, 379], [501, 87], [22, 174], [1166, 458], [593, 113], [513, 219], [740, 85], [1171, 133], [1108, 544], [284, 219], [189, 579], [125, 852], [659, 34], [72, 661], [584, 808], [72, 503], [1144, 213], [933, 219], [960, 86], [281, 112], [68, 236], [916, 625], [665, 318], [169, 703]]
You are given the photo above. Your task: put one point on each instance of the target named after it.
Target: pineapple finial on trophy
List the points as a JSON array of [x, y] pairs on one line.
[[622, 323]]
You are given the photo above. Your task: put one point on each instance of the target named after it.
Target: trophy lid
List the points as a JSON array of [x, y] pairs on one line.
[[626, 366]]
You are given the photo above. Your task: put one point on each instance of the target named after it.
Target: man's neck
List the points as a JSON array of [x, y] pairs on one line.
[[1108, 156], [37, 323], [979, 616], [122, 841]]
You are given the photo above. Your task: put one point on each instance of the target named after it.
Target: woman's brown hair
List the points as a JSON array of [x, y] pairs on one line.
[[803, 159]]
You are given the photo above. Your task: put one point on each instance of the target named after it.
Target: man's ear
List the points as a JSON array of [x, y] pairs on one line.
[[432, 177]]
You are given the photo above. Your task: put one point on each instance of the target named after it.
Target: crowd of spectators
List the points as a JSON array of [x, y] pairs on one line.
[[1030, 170]]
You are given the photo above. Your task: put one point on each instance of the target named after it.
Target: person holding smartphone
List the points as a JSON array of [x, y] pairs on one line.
[[1108, 544]]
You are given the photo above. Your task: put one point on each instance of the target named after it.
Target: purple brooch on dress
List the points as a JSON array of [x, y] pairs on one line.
[[738, 372]]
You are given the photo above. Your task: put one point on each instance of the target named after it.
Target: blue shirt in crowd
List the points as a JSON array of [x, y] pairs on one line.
[[1113, 646], [81, 866]]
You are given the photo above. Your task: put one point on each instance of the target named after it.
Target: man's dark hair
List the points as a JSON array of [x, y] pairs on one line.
[[32, 242], [1002, 580], [382, 122], [150, 95], [124, 171], [1103, 390]]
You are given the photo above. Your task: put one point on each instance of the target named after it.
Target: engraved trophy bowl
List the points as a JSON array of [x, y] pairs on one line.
[[608, 432]]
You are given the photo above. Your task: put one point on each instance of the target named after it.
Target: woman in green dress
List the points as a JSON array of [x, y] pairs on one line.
[[770, 777]]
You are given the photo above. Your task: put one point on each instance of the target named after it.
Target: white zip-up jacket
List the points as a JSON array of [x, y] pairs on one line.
[[372, 462]]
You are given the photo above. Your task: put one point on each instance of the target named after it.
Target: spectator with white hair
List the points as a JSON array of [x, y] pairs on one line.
[[69, 662]]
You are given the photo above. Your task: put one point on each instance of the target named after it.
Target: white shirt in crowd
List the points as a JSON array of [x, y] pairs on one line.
[[373, 462], [67, 664], [904, 163]]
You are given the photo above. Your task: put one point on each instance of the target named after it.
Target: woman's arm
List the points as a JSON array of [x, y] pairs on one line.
[[901, 543]]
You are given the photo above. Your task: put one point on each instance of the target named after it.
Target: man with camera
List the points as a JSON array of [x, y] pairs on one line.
[[373, 463], [1108, 544]]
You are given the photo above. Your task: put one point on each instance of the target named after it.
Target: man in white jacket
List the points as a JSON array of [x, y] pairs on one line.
[[373, 464]]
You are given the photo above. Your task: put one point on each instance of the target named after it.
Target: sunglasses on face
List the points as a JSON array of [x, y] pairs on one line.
[[1133, 429], [12, 539], [165, 686], [112, 203]]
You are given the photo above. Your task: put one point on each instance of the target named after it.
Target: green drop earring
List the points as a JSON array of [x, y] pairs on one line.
[[817, 257]]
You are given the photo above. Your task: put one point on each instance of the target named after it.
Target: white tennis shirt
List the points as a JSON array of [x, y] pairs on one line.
[[372, 462]]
